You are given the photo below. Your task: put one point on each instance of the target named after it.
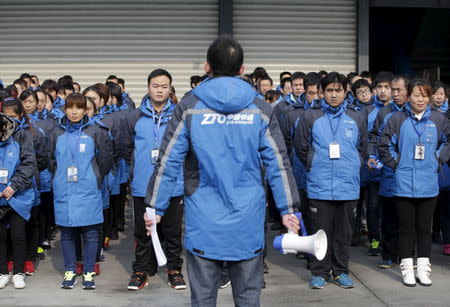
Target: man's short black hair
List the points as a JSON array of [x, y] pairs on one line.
[[159, 72], [285, 73], [384, 76], [284, 81], [25, 76], [322, 73], [361, 83], [350, 76], [333, 77], [311, 80], [366, 74], [195, 79], [225, 56], [298, 75], [121, 81]]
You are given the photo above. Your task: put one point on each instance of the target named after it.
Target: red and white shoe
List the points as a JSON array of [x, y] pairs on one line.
[[28, 268]]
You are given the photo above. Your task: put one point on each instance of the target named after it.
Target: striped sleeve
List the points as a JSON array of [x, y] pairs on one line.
[[277, 165]]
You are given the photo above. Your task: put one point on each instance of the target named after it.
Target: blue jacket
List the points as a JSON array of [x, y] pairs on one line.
[[37, 135], [89, 148], [58, 102], [128, 101], [288, 127], [412, 177], [17, 156], [47, 122], [443, 108], [226, 136], [386, 174], [370, 113], [281, 108], [332, 179], [141, 136]]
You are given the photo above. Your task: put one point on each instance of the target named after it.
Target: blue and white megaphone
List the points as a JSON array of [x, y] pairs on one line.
[[291, 243]]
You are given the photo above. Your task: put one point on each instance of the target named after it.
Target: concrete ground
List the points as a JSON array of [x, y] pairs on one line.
[[287, 284]]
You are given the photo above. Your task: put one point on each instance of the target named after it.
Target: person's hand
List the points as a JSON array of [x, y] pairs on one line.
[[291, 222], [149, 223], [370, 163], [8, 192]]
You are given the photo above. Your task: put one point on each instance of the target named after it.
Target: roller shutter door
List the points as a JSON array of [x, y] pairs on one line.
[[92, 39], [297, 35]]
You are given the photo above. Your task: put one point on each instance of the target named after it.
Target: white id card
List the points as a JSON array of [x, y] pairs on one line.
[[155, 154], [72, 174], [419, 153], [335, 152], [82, 147], [3, 176]]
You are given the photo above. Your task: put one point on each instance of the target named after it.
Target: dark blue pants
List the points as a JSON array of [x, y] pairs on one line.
[[204, 274], [90, 239], [373, 212]]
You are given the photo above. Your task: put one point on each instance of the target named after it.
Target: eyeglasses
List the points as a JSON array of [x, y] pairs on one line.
[[362, 92]]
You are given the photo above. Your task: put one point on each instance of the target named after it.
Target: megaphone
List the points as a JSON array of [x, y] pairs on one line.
[[291, 243]]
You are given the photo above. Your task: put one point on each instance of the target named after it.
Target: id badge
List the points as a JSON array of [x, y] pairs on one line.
[[154, 155], [335, 152], [419, 153], [72, 174], [3, 176]]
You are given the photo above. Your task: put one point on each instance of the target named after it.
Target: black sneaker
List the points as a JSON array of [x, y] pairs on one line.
[[138, 281], [224, 282], [176, 280]]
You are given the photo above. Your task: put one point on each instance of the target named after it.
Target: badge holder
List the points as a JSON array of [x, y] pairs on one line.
[[154, 155], [419, 153], [335, 152], [72, 174], [3, 176]]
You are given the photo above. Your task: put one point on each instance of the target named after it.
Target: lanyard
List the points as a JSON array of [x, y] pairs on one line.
[[156, 126], [331, 126], [417, 132], [73, 151]]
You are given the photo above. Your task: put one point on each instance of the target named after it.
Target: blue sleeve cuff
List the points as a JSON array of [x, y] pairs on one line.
[[373, 157]]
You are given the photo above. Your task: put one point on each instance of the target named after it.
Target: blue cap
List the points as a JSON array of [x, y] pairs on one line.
[[277, 243]]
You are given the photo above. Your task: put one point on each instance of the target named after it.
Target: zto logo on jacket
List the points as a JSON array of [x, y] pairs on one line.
[[231, 119]]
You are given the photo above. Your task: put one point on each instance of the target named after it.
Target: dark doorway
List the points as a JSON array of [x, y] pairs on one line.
[[412, 41]]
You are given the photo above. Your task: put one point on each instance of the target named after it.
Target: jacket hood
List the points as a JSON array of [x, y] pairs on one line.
[[225, 94], [333, 111], [9, 127], [410, 113], [147, 108], [70, 127]]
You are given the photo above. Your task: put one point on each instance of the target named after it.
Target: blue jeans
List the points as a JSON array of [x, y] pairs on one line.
[[90, 239], [204, 274]]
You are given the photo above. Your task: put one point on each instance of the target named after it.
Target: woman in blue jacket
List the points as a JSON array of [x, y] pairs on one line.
[[80, 157], [415, 145], [15, 109], [17, 164]]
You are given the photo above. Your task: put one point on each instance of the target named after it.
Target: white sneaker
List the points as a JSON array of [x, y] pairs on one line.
[[19, 281], [4, 280], [408, 272], [423, 271]]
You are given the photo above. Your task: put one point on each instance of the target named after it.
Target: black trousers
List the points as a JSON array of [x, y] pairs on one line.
[[19, 243], [123, 199], [169, 233], [47, 216], [115, 212], [415, 216], [336, 219], [357, 225], [389, 229], [32, 234]]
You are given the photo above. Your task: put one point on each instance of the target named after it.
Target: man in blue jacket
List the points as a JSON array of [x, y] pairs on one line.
[[331, 142], [141, 138], [228, 137]]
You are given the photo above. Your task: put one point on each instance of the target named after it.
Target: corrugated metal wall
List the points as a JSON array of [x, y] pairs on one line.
[[297, 35], [92, 39]]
